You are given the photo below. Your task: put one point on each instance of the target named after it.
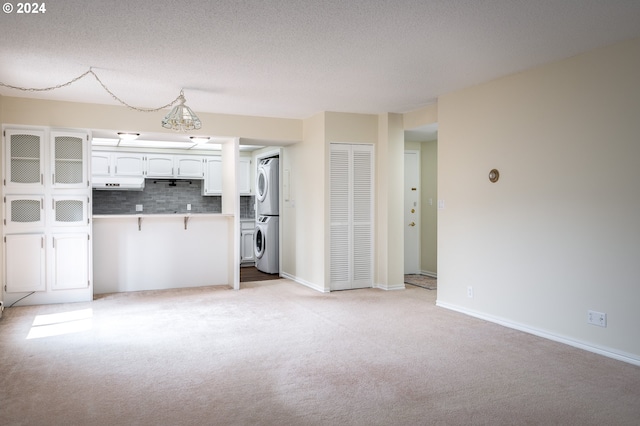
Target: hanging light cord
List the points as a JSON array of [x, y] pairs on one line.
[[180, 97]]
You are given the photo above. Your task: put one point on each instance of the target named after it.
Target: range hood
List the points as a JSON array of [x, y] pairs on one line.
[[118, 183]]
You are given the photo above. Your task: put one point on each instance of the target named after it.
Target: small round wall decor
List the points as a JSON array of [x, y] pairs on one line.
[[494, 175]]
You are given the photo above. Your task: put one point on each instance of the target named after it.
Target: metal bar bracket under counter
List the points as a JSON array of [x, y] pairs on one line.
[[140, 218]]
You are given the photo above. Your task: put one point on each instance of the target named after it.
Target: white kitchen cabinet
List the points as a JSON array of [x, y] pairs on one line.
[[160, 165], [245, 183], [47, 230], [101, 164], [24, 213], [70, 211], [189, 166], [69, 160], [107, 164], [174, 166], [212, 176], [247, 231], [128, 164], [25, 262], [70, 261], [24, 156]]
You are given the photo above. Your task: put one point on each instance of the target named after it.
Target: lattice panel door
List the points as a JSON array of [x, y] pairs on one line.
[[24, 212], [25, 153], [68, 160]]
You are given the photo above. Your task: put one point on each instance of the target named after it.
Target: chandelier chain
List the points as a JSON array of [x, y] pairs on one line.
[[179, 98]]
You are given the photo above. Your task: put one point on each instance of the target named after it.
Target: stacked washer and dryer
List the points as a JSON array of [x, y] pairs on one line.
[[266, 236]]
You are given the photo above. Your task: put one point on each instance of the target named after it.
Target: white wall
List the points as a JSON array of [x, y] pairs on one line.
[[559, 233], [302, 217]]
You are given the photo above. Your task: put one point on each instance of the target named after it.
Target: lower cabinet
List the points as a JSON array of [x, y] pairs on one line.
[[25, 263], [30, 256], [247, 253], [70, 261]]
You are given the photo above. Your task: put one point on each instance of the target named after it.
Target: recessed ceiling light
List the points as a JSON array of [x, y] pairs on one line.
[[127, 136], [199, 139]]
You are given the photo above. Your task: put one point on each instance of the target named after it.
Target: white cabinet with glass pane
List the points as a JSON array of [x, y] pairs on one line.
[[47, 209], [69, 210], [69, 160], [24, 156], [24, 213]]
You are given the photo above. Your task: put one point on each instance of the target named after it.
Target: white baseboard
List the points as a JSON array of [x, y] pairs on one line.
[[608, 352], [429, 274], [390, 287], [303, 282]]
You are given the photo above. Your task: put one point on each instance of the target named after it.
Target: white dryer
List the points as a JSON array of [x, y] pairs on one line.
[[267, 187], [265, 244]]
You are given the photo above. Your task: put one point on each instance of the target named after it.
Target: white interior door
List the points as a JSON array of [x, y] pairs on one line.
[[411, 212]]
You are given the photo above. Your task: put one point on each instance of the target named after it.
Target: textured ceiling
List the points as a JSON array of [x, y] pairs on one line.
[[293, 59]]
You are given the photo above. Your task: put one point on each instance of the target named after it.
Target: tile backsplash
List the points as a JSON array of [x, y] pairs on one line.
[[159, 197]]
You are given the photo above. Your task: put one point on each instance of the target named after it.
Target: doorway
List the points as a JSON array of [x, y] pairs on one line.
[[412, 212], [421, 164]]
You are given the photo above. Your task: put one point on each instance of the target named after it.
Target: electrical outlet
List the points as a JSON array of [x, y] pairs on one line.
[[138, 207], [469, 291], [188, 207], [597, 318]]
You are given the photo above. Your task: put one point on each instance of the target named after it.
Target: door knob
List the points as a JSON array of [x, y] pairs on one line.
[[412, 224]]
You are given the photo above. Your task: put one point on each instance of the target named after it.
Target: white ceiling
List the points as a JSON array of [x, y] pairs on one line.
[[295, 58]]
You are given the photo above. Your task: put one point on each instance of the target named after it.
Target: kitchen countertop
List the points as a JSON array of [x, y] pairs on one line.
[[126, 216]]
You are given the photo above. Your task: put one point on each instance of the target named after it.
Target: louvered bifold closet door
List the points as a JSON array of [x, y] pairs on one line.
[[362, 216], [351, 195], [340, 246]]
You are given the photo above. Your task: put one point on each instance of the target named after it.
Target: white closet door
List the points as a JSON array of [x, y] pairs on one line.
[[351, 209]]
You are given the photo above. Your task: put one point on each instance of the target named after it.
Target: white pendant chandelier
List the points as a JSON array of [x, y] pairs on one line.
[[181, 117]]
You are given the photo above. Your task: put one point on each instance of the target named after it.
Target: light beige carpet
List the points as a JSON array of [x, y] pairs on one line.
[[277, 353]]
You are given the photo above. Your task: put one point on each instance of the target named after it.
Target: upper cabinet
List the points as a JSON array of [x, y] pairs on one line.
[[244, 176], [190, 166], [24, 156], [160, 165], [212, 176], [100, 163], [128, 164], [174, 166], [69, 153]]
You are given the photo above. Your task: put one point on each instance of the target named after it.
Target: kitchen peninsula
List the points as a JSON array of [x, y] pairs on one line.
[[161, 251]]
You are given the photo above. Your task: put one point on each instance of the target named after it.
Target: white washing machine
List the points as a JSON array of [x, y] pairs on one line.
[[265, 244], [267, 187]]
